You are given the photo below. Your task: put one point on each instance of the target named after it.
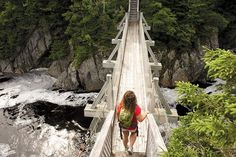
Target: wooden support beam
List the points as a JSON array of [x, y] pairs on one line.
[[154, 66], [121, 24], [150, 42], [114, 51], [108, 64], [109, 94], [163, 117], [152, 54], [160, 95], [100, 110], [115, 41], [147, 34], [148, 28]]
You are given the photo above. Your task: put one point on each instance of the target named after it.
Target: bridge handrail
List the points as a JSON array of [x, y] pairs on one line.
[[119, 61], [105, 91], [120, 25], [160, 95], [129, 5], [137, 5], [104, 139], [147, 68], [146, 28], [155, 85], [155, 143], [103, 144]]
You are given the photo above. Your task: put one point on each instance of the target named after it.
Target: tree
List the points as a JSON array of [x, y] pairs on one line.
[[210, 129], [19, 18], [180, 24], [92, 26]]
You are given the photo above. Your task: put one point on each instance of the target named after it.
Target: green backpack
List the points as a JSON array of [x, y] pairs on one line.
[[125, 117]]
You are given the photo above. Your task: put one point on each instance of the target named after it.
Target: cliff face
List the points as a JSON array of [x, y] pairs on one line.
[[30, 56], [90, 76], [185, 66]]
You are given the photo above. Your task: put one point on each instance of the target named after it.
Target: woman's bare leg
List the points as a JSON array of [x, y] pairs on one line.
[[125, 138], [132, 139]]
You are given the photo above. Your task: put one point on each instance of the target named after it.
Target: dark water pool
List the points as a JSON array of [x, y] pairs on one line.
[[43, 129]]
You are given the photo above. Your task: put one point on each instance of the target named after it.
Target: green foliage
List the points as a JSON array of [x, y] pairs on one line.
[[221, 64], [180, 24], [92, 26], [210, 129], [19, 18], [58, 49], [80, 55]]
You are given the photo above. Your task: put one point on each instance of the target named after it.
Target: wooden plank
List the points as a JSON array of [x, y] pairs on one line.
[[132, 78]]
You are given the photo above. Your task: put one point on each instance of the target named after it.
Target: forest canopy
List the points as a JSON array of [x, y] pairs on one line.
[[89, 25]]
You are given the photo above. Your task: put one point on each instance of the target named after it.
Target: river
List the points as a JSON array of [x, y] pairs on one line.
[[37, 121]]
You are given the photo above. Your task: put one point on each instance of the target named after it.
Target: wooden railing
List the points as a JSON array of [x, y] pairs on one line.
[[159, 98], [156, 66], [103, 145], [119, 61], [106, 93], [147, 69], [137, 6], [155, 143], [105, 96]]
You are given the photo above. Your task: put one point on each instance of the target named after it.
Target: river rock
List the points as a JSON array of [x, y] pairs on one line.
[[91, 74], [57, 68]]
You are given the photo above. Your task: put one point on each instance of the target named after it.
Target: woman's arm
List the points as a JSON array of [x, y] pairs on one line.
[[118, 110], [142, 116]]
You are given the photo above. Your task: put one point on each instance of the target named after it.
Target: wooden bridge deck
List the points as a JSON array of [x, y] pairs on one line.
[[131, 71], [125, 154], [132, 78]]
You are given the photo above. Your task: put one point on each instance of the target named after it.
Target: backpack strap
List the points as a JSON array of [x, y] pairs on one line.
[[121, 135]]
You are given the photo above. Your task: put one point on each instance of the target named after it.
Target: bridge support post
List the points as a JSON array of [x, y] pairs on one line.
[[163, 102], [109, 94]]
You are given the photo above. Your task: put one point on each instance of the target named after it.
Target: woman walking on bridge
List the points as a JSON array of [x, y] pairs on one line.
[[129, 113]]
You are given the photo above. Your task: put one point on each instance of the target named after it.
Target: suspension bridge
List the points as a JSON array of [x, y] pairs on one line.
[[135, 68]]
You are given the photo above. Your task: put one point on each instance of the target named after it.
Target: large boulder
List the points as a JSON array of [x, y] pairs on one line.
[[68, 79], [90, 76], [58, 67]]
